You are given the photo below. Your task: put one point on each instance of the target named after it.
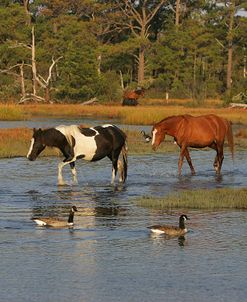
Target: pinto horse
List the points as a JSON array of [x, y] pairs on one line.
[[195, 132], [91, 144]]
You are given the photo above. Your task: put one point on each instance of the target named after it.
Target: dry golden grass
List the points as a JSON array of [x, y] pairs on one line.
[[143, 114], [149, 115], [16, 142], [11, 113]]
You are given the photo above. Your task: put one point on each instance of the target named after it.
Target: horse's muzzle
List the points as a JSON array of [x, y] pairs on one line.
[[154, 147], [31, 158]]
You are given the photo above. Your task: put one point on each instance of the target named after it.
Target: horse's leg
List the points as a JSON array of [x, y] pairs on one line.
[[187, 155], [113, 175], [220, 155], [68, 153], [181, 159], [120, 170], [114, 158], [60, 168], [114, 169], [73, 171], [60, 176], [216, 160]]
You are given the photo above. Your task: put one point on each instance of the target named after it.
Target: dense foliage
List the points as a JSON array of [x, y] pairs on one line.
[[98, 48]]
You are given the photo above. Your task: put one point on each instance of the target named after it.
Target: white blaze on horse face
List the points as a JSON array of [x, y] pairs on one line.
[[153, 136], [31, 147]]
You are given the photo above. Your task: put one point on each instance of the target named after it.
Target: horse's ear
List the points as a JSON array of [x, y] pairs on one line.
[[37, 130]]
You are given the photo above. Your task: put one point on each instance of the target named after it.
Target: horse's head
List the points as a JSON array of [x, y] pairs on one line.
[[158, 135], [140, 91], [37, 145]]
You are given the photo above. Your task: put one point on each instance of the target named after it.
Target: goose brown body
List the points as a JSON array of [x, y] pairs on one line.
[[56, 222], [171, 230]]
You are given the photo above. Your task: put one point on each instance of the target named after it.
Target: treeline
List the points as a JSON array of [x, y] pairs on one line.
[[70, 51]]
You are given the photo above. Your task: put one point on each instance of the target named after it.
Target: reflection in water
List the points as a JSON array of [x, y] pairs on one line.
[[109, 254], [181, 240], [95, 205], [161, 238]]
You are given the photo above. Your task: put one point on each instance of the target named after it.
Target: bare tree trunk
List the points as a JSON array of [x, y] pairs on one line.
[[244, 70], [230, 46], [34, 69], [47, 94], [194, 78], [121, 79], [141, 66], [23, 90], [26, 7], [99, 59], [177, 13], [138, 20], [229, 68]]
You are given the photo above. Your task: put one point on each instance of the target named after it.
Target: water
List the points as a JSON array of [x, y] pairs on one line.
[[110, 255], [48, 123]]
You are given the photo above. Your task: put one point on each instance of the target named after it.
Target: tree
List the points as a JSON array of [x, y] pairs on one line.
[[138, 17]]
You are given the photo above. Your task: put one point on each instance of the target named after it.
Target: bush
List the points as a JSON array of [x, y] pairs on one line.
[[109, 88]]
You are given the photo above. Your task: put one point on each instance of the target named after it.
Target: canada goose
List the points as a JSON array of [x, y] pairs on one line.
[[55, 222], [171, 230], [146, 136]]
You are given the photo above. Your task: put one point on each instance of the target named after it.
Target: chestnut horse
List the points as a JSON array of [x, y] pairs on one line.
[[130, 97], [195, 132]]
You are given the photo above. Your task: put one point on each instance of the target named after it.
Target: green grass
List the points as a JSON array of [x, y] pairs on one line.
[[198, 199]]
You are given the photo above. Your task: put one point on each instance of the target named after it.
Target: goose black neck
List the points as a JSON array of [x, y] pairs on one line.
[[71, 217], [181, 223]]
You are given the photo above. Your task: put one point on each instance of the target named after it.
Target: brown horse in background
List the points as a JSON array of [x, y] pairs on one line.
[[195, 132], [130, 97]]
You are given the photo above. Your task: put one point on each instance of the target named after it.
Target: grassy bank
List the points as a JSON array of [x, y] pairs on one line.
[[16, 142], [12, 113], [198, 199], [143, 114]]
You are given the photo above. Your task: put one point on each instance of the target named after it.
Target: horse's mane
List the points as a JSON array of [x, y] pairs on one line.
[[172, 117], [68, 131]]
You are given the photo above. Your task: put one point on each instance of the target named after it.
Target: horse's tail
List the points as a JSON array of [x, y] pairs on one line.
[[124, 153], [230, 140]]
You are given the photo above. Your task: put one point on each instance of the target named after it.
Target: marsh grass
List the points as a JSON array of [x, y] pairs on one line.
[[141, 115], [137, 144], [198, 199], [12, 113], [16, 142]]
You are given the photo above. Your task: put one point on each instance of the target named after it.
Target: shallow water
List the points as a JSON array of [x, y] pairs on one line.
[[48, 123], [110, 255]]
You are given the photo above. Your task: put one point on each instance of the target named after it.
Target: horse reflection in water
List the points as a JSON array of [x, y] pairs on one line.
[[91, 144], [195, 132]]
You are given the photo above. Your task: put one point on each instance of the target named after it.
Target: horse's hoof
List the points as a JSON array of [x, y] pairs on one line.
[[61, 183]]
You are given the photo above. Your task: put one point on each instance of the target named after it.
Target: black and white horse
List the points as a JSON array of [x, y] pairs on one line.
[[91, 144]]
